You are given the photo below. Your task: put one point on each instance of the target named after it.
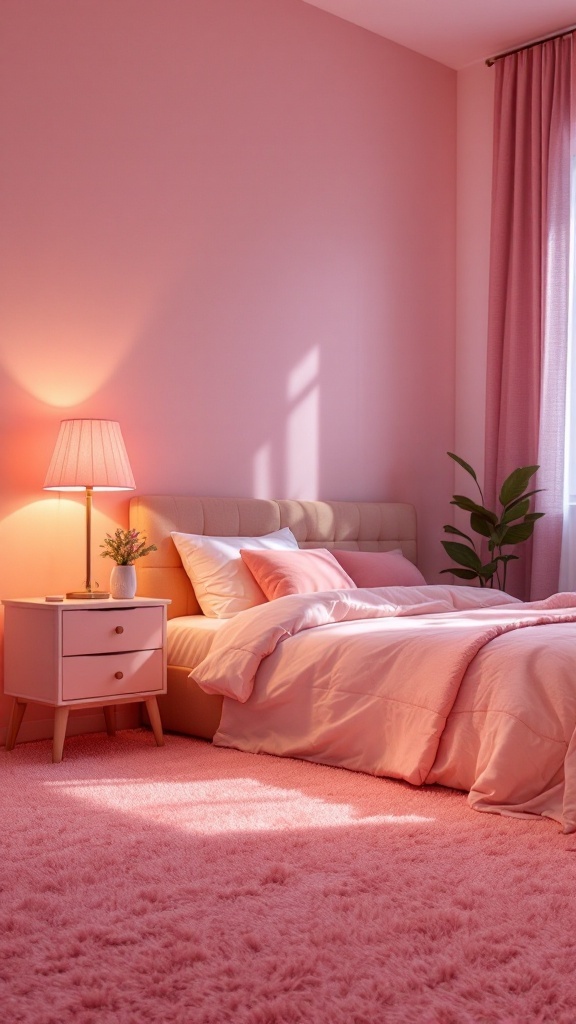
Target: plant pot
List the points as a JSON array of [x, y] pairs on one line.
[[123, 582]]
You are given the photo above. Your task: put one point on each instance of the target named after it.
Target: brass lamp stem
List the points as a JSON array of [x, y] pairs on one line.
[[88, 594], [88, 538]]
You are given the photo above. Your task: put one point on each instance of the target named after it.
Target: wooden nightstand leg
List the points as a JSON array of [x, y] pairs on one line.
[[155, 720], [110, 719], [60, 723], [16, 716]]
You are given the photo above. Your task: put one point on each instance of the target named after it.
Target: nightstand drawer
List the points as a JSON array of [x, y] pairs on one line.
[[108, 630], [112, 675]]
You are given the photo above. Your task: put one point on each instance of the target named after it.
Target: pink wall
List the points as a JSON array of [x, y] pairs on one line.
[[230, 226]]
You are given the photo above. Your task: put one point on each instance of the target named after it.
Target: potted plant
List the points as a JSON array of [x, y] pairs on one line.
[[512, 524], [125, 547]]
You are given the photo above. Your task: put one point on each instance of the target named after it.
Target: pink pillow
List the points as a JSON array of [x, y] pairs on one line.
[[279, 573], [379, 568]]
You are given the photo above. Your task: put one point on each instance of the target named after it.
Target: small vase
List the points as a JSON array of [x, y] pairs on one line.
[[123, 582]]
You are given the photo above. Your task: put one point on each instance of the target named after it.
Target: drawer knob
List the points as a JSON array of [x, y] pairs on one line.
[[119, 629], [118, 675]]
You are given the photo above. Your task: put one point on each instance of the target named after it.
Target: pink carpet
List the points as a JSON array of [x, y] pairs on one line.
[[194, 885]]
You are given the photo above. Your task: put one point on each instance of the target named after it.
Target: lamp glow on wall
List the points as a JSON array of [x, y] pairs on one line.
[[89, 456]]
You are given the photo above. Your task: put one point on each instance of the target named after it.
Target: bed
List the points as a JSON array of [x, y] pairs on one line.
[[448, 685]]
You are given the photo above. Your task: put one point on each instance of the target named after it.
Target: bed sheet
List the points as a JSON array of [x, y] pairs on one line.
[[189, 638]]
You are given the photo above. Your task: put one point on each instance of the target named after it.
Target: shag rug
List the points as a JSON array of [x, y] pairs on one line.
[[195, 885]]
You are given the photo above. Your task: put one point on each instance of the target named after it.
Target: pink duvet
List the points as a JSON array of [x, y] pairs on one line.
[[433, 684]]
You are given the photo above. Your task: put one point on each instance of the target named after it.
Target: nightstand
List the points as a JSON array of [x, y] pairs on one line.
[[77, 654]]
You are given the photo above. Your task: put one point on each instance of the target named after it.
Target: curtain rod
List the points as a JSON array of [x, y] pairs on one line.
[[527, 46]]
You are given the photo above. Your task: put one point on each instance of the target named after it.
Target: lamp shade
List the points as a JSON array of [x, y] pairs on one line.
[[89, 454]]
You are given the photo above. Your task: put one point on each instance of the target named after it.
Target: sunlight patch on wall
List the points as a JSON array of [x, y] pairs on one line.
[[262, 472], [303, 427]]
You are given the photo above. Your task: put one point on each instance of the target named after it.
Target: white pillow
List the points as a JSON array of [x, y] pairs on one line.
[[222, 583]]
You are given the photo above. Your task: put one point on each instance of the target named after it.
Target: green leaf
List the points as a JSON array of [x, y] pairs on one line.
[[464, 465], [467, 505], [462, 574], [462, 555], [533, 516], [489, 569], [515, 484], [529, 494], [480, 525], [518, 533], [496, 537], [517, 510], [457, 533]]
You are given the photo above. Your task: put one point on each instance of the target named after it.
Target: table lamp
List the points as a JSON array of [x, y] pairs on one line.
[[89, 455]]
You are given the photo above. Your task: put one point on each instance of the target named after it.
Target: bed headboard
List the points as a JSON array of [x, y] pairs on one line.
[[356, 525]]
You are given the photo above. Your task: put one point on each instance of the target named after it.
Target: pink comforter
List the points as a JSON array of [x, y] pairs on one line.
[[453, 685]]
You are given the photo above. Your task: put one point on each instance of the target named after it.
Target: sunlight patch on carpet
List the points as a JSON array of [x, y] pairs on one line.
[[220, 806]]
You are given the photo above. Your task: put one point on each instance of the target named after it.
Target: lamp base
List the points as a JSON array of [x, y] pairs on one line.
[[87, 595]]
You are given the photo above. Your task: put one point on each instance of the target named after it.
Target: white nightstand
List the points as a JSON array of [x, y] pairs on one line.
[[75, 654]]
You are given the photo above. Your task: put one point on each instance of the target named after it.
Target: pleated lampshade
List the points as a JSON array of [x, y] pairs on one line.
[[89, 453]]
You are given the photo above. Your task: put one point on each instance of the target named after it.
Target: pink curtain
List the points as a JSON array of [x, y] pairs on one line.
[[528, 305]]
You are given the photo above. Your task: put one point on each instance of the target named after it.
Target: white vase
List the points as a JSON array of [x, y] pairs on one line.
[[123, 582]]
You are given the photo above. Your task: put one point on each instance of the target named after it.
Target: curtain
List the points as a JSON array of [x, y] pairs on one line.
[[528, 296], [568, 558]]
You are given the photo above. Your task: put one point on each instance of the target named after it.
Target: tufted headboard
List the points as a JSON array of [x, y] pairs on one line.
[[356, 525]]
